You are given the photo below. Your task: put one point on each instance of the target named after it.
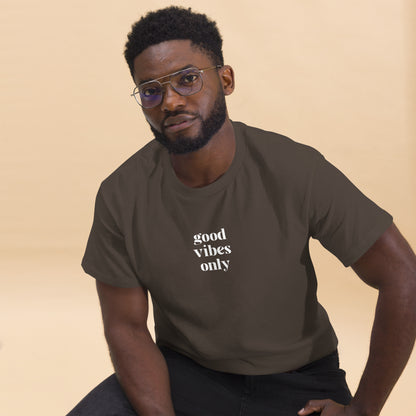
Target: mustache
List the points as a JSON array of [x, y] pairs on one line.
[[178, 113]]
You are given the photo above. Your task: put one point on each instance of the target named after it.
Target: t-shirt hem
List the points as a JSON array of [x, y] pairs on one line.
[[259, 365]]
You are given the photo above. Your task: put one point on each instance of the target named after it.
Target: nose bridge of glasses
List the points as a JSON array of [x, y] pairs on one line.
[[164, 87], [170, 97]]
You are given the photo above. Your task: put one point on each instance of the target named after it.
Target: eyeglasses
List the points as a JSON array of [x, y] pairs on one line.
[[185, 82]]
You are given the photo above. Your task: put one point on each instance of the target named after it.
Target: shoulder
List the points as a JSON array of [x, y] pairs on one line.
[[135, 170], [276, 151]]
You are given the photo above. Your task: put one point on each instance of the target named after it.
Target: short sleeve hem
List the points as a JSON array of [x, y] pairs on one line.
[[89, 269], [370, 239]]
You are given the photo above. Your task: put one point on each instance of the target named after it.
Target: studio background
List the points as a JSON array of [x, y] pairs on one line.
[[339, 76]]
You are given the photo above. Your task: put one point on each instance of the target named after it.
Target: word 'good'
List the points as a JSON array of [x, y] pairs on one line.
[[204, 238]]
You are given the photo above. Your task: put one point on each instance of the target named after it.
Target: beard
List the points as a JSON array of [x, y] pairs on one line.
[[182, 144]]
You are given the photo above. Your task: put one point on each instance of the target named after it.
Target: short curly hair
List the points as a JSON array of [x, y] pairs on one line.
[[172, 23]]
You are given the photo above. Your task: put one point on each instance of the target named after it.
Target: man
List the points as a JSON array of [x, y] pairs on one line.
[[213, 218]]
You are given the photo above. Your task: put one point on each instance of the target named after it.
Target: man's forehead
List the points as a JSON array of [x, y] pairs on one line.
[[167, 57], [166, 75]]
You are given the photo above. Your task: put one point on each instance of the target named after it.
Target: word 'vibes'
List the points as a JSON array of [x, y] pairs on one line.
[[204, 251]]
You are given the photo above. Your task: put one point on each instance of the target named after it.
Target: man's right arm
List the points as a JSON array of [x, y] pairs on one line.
[[139, 365]]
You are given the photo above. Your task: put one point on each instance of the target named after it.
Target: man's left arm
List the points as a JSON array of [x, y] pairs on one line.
[[389, 266]]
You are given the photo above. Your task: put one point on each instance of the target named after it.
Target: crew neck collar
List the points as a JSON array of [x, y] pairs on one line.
[[176, 184]]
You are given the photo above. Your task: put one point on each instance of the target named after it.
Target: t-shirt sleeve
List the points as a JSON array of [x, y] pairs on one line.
[[341, 217], [106, 257]]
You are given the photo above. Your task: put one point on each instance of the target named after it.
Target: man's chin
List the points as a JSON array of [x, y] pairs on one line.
[[181, 144]]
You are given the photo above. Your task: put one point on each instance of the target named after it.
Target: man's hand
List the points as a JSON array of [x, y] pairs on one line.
[[327, 408]]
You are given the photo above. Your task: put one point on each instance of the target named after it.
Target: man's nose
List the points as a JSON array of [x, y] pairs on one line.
[[171, 99]]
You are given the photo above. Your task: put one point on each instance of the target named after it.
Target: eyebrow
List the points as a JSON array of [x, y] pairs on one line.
[[164, 76]]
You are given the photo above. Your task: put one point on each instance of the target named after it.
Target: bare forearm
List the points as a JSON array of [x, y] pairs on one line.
[[391, 344], [142, 372]]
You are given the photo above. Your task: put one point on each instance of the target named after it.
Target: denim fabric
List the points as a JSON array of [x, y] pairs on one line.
[[199, 391]]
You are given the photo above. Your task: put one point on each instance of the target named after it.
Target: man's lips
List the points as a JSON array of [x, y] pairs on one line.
[[179, 122]]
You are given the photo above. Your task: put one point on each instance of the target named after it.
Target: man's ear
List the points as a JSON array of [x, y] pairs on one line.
[[226, 74]]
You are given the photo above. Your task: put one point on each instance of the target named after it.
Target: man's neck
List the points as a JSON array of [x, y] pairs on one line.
[[206, 165]]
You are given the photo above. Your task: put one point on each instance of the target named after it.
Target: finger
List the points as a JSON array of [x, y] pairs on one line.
[[314, 406]]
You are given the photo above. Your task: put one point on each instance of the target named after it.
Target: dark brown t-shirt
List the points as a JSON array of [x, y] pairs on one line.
[[228, 265]]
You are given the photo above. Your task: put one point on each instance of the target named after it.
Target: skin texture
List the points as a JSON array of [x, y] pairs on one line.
[[389, 266]]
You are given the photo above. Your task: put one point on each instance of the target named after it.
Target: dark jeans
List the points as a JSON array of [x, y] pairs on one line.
[[199, 391]]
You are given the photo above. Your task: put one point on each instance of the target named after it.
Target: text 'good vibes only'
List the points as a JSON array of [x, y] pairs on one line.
[[205, 251]]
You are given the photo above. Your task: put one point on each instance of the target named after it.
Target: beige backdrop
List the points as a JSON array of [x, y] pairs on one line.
[[338, 75]]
